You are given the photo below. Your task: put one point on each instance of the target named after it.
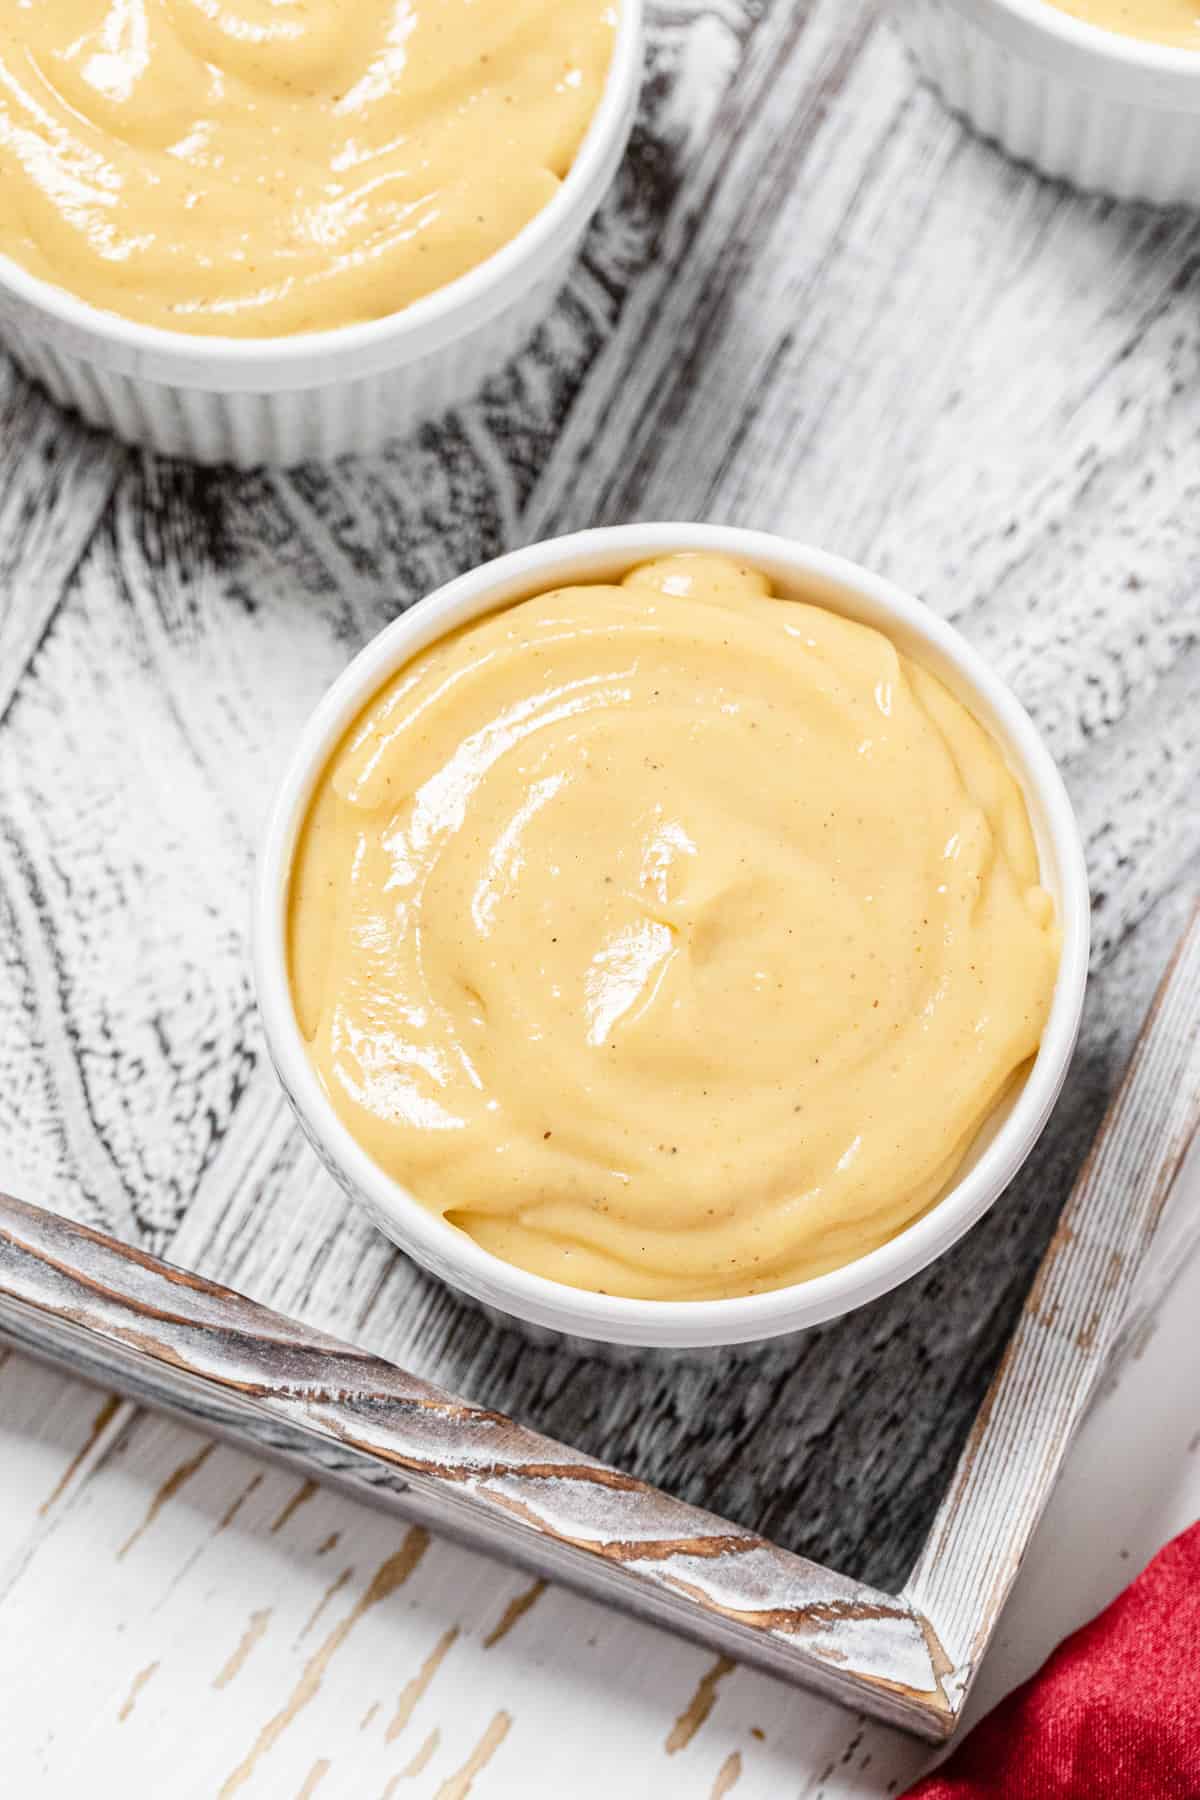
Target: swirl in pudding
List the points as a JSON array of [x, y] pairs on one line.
[[255, 168], [673, 938]]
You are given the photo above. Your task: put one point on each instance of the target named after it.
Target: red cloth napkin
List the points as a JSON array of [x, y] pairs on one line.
[[1114, 1712]]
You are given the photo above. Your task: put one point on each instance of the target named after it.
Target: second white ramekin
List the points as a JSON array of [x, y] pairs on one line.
[[319, 395], [1108, 113], [676, 1325]]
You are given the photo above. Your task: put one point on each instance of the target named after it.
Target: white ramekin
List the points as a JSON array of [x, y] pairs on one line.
[[1106, 112], [677, 1325], [287, 400]]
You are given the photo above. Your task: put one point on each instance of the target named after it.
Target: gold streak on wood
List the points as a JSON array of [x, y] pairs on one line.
[[698, 1707], [250, 1637], [333, 1588], [303, 1494], [330, 1543], [728, 1775], [1114, 1271], [457, 1787], [407, 1703], [170, 1487], [139, 1682], [423, 1757], [387, 1578], [102, 1418], [235, 1505], [513, 1612], [420, 1761], [316, 1776], [939, 1662], [369, 1715]]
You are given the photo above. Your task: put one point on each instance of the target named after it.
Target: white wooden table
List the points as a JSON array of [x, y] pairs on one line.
[[815, 305], [176, 1618]]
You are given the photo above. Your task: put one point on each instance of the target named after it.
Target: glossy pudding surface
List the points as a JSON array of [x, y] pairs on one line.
[[672, 937], [254, 168]]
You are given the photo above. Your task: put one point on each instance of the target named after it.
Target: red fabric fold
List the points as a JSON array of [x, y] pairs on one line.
[[1114, 1712]]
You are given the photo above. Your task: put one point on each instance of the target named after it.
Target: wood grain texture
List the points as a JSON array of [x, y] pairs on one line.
[[172, 1339], [816, 305], [1069, 1328], [186, 1595], [175, 1340]]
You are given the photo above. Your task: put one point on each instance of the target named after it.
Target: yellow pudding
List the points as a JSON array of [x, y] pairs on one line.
[[673, 939], [1161, 21], [262, 167]]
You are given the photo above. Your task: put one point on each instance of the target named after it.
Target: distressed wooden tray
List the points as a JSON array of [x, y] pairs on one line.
[[279, 1387], [815, 305]]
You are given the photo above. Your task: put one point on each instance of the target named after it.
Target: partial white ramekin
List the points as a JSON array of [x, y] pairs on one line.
[[1106, 112], [287, 400], [678, 1325]]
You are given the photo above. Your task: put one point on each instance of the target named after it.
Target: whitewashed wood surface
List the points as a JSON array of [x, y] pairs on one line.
[[177, 1619], [816, 305]]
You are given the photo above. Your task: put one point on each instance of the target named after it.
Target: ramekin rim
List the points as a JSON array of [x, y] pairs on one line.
[[610, 1318], [1119, 49], [446, 313]]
